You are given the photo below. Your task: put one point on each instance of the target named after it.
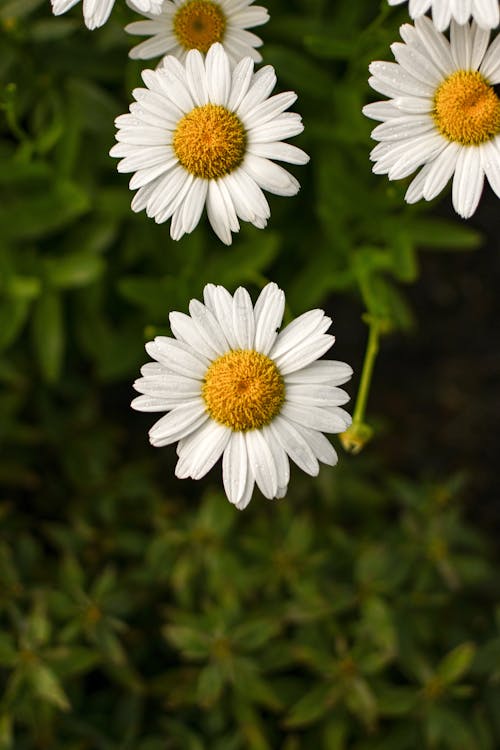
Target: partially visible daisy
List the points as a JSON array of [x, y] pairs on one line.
[[96, 12], [197, 24], [201, 135], [443, 114], [484, 12], [234, 387]]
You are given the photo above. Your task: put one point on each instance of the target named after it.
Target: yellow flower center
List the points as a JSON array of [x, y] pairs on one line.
[[199, 23], [243, 390], [210, 141], [467, 109]]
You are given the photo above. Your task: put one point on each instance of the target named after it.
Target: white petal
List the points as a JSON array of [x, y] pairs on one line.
[[486, 13], [201, 450], [249, 201], [185, 329], [324, 371], [178, 357], [170, 386], [490, 157], [311, 323], [326, 420], [292, 441], [235, 467], [380, 110], [268, 313], [218, 74], [417, 64], [248, 490], [241, 79], [279, 151], [261, 86], [270, 176], [280, 459], [208, 326], [261, 460], [178, 423], [150, 404], [196, 78], [316, 395], [192, 207], [304, 353], [320, 446], [490, 67], [243, 319], [220, 302], [440, 171], [220, 212], [468, 181]]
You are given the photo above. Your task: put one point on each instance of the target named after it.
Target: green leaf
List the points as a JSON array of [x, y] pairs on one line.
[[404, 258], [303, 74], [47, 686], [335, 735], [24, 287], [6, 732], [8, 652], [329, 47], [13, 315], [314, 705], [155, 295], [362, 701], [396, 701], [74, 270], [47, 31], [456, 663], [193, 643], [253, 634], [210, 684], [445, 728], [442, 234], [74, 660], [32, 215], [48, 335], [18, 8]]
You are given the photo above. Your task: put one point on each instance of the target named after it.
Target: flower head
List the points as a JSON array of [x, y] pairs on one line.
[[234, 387], [443, 114], [96, 12], [484, 12], [197, 24], [201, 135]]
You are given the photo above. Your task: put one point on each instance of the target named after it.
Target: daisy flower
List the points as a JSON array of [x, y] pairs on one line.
[[234, 387], [200, 134], [484, 12], [197, 24], [443, 114], [96, 12]]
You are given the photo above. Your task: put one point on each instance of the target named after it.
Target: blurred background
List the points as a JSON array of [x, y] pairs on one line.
[[140, 612]]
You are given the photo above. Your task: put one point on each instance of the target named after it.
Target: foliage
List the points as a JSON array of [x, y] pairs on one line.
[[359, 612]]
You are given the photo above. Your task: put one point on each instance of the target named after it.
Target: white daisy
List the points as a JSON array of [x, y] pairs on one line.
[[443, 114], [96, 12], [484, 12], [197, 24], [200, 134], [234, 387]]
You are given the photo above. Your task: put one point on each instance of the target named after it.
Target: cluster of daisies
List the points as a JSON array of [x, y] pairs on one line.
[[443, 112], [205, 133]]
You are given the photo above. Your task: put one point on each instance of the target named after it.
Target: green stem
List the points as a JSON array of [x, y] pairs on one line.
[[366, 375]]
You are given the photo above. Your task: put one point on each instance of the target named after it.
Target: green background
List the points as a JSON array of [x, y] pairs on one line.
[[139, 612]]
